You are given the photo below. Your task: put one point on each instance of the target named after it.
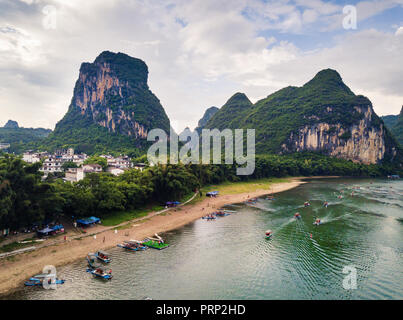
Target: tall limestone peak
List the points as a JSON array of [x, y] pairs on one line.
[[112, 93], [208, 114], [234, 107], [11, 124]]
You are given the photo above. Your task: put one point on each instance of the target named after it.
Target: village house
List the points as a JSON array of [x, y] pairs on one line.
[[92, 168], [74, 174]]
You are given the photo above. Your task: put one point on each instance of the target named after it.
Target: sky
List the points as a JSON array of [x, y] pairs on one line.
[[199, 52]]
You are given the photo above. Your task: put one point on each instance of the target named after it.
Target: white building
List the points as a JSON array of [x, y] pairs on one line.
[[74, 174], [31, 157], [52, 164], [116, 171], [92, 168]]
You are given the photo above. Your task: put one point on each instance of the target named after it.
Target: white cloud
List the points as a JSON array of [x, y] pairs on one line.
[[199, 52], [399, 31]]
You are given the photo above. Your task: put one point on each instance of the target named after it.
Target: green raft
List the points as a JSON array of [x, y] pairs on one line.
[[155, 245]]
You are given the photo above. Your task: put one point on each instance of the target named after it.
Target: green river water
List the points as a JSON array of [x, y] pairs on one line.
[[230, 258]]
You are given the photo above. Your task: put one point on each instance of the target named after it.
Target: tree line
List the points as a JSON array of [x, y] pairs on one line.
[[26, 200]]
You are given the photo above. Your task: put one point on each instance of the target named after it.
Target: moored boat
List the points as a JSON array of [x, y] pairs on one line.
[[132, 245], [92, 261], [209, 217], [103, 256], [40, 280], [100, 273], [155, 243]]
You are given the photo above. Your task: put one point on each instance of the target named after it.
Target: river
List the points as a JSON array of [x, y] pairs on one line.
[[230, 258]]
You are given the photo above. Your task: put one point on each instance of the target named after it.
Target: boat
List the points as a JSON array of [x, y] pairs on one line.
[[103, 256], [92, 261], [209, 217], [297, 216], [100, 273], [229, 211], [317, 222], [253, 200], [132, 245], [306, 204], [269, 234], [221, 213], [270, 198], [326, 204], [38, 280], [155, 243]]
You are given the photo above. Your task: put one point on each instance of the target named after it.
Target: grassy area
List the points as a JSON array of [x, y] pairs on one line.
[[243, 186], [15, 246], [120, 217], [223, 188]]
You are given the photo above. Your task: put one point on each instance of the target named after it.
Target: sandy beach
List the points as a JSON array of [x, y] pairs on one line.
[[13, 272]]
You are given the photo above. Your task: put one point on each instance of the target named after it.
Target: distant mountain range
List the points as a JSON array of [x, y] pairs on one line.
[[21, 138], [323, 115], [113, 109], [395, 125]]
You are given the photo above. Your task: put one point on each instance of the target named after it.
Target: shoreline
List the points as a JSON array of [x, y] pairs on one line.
[[16, 270]]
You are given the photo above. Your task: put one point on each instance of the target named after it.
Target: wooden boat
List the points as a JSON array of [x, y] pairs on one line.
[[155, 243], [100, 273], [92, 261], [209, 217], [221, 213], [103, 256], [39, 280], [269, 234], [132, 245]]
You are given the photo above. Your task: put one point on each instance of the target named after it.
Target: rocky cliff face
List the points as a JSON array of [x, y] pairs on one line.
[[323, 115], [113, 92], [360, 142], [210, 112]]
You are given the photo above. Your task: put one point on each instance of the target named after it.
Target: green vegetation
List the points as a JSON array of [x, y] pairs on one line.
[[25, 200], [395, 125], [324, 99], [22, 139], [85, 133]]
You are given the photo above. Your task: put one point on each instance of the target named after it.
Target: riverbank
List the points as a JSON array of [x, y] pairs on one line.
[[15, 270]]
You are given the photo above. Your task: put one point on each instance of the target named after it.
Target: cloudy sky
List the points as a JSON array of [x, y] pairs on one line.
[[199, 52]]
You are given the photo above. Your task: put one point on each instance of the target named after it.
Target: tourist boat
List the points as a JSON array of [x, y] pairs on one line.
[[221, 213], [270, 198], [317, 222], [209, 217], [155, 243], [100, 273], [103, 256], [306, 204], [269, 234], [229, 211], [297, 216], [92, 261], [326, 204], [38, 280], [253, 200], [132, 245]]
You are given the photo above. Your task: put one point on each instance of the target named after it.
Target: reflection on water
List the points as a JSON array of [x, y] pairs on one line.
[[230, 259]]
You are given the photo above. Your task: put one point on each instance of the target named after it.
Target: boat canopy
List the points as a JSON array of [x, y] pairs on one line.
[[268, 231], [88, 221], [212, 193], [104, 253]]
